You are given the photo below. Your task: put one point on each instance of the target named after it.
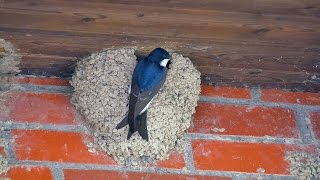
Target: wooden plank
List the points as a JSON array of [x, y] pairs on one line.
[[212, 25], [288, 7], [276, 80], [47, 66], [251, 56], [214, 75]]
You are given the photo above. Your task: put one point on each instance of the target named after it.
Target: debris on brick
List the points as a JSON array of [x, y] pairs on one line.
[[304, 165], [101, 84], [3, 165], [9, 58], [3, 161], [6, 89], [4, 110], [91, 147]]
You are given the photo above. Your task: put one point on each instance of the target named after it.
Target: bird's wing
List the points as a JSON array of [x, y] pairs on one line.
[[139, 100], [145, 97]]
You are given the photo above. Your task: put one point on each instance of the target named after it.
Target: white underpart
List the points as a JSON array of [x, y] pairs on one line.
[[145, 108], [164, 62], [129, 89]]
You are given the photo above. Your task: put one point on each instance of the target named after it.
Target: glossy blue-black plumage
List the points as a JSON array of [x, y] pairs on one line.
[[148, 72], [157, 55], [147, 75]]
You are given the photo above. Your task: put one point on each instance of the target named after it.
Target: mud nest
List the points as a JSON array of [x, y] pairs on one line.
[[304, 165], [9, 58], [101, 84]]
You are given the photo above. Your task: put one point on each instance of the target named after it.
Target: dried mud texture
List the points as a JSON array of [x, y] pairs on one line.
[[4, 95], [3, 108], [100, 86], [9, 58], [304, 165], [3, 165], [6, 87], [3, 161]]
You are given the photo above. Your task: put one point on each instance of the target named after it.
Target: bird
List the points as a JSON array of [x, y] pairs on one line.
[[148, 77]]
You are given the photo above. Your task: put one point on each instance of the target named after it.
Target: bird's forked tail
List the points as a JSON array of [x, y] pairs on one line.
[[141, 126]]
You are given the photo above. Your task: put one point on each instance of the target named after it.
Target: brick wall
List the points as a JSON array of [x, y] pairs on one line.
[[237, 133]]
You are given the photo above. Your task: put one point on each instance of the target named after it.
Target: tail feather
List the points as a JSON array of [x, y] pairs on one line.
[[123, 123], [142, 126], [129, 134]]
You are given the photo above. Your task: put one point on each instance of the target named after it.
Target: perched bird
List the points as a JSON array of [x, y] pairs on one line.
[[148, 77]]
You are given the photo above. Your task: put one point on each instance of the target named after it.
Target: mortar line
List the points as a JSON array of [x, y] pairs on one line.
[[48, 88], [245, 139], [191, 136], [219, 100], [38, 88], [36, 126], [244, 177], [81, 166], [57, 173], [303, 126], [8, 148], [256, 94], [308, 121], [188, 155]]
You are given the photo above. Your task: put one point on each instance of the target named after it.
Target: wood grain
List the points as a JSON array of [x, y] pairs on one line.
[[257, 42], [287, 7]]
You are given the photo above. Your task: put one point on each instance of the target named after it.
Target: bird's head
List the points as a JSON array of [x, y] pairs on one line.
[[160, 56]]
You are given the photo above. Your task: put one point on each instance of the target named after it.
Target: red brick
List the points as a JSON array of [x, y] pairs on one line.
[[41, 108], [57, 146], [43, 81], [70, 174], [241, 157], [306, 98], [244, 120], [175, 161], [227, 92], [29, 173], [315, 121]]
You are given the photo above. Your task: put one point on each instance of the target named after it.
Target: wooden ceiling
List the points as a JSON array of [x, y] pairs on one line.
[[269, 43]]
